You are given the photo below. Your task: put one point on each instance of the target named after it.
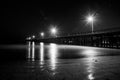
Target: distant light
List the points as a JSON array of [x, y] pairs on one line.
[[53, 30], [42, 34], [33, 36], [28, 38], [90, 18]]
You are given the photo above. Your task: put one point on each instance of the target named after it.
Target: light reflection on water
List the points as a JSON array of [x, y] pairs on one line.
[[41, 53], [53, 55], [90, 68], [53, 52], [29, 48], [90, 77], [90, 61], [90, 52], [33, 51]]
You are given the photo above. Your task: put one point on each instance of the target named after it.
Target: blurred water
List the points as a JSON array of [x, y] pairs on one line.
[[39, 61]]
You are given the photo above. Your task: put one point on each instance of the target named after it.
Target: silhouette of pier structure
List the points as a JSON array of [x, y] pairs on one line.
[[108, 39]]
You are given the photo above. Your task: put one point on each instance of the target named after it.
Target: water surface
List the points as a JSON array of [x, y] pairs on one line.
[[40, 61]]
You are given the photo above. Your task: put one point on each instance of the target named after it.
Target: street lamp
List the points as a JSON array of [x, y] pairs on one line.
[[33, 36], [28, 38], [53, 31], [42, 34], [91, 19]]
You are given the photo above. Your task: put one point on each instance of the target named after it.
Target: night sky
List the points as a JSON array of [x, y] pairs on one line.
[[22, 19]]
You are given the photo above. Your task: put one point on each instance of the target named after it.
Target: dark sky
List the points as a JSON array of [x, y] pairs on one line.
[[22, 19]]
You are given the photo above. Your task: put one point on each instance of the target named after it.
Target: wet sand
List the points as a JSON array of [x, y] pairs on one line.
[[94, 68]]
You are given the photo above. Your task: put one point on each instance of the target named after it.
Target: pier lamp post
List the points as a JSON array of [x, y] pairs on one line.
[[33, 36], [28, 38], [42, 34], [53, 31], [91, 19]]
